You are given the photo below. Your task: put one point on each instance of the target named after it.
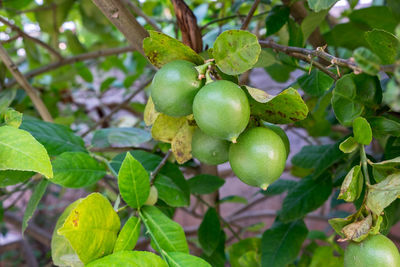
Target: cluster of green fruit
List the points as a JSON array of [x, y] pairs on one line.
[[221, 110]]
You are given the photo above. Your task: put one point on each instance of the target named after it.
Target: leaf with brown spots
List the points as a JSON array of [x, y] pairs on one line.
[[182, 143]]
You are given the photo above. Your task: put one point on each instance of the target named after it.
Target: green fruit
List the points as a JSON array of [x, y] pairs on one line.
[[174, 87], [153, 196], [374, 251], [209, 150], [221, 110], [278, 130], [258, 158]]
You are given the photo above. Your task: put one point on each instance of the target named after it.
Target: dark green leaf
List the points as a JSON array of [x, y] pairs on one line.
[[378, 17], [316, 83], [311, 22], [233, 199], [218, 258], [349, 35], [384, 44], [295, 34], [37, 195], [278, 187], [10, 177], [106, 83], [279, 72], [382, 126], [281, 243], [367, 61], [209, 231], [391, 215], [120, 137], [318, 5], [276, 18], [84, 72], [308, 195], [205, 184]]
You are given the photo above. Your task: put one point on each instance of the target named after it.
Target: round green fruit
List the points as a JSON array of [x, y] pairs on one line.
[[221, 110], [278, 130], [374, 251], [174, 87], [208, 149], [153, 196], [258, 158]]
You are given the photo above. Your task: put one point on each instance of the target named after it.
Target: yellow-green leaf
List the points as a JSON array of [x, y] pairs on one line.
[[150, 113], [166, 127], [181, 145]]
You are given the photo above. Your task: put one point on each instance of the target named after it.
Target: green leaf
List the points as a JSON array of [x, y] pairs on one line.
[[391, 215], [120, 137], [13, 118], [349, 145], [20, 151], [311, 22], [279, 72], [325, 256], [237, 250], [205, 184], [129, 235], [106, 83], [62, 252], [91, 228], [281, 244], [362, 131], [166, 127], [161, 49], [276, 18], [181, 144], [129, 259], [391, 96], [287, 107], [380, 195], [233, 199], [218, 258], [14, 177], [317, 157], [348, 35], [295, 34], [278, 187], [308, 195], [133, 182], [266, 58], [376, 17], [318, 5], [36, 196], [172, 186], [316, 83], [352, 185], [382, 126], [77, 169], [367, 61], [179, 259], [54, 137], [208, 232], [6, 97], [84, 72], [236, 51], [167, 234], [385, 168]]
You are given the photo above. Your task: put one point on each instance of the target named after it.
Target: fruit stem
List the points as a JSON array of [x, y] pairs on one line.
[[264, 186], [234, 140], [364, 164], [202, 69]]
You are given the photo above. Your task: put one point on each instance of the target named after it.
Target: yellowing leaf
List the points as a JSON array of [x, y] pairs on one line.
[[166, 127], [150, 113], [182, 143]]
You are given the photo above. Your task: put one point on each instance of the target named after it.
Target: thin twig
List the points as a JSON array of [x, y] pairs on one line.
[[9, 40], [33, 39], [117, 108], [30, 91], [154, 173], [250, 15], [230, 17], [74, 59], [140, 13]]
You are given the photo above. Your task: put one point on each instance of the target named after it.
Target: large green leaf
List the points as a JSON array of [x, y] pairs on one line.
[[62, 252], [20, 151], [316, 83], [77, 169], [14, 177], [382, 126], [205, 184], [311, 22], [376, 17], [237, 250], [281, 243], [133, 182], [287, 107], [170, 183], [120, 137], [36, 196], [161, 49], [129, 259], [276, 18], [129, 235], [209, 230], [179, 259], [325, 256], [318, 5], [308, 195], [349, 35], [165, 233], [236, 51], [91, 228], [382, 194], [54, 137]]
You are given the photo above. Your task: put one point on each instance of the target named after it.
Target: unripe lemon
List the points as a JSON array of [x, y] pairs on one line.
[[174, 87], [208, 149], [258, 158], [374, 251], [221, 110]]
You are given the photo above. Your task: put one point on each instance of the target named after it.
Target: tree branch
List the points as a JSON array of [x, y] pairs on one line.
[[74, 59], [33, 39], [117, 108], [250, 15], [154, 173], [140, 13], [230, 17], [120, 16], [30, 91]]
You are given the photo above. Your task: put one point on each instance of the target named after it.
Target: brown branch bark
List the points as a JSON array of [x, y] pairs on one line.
[[20, 32], [120, 16], [250, 15], [140, 13], [187, 23], [22, 81], [74, 59]]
